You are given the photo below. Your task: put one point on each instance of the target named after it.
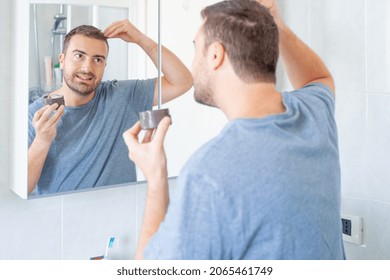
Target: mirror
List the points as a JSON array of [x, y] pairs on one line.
[[50, 20], [49, 23]]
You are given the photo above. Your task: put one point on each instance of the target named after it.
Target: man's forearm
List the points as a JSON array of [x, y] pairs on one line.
[[303, 66], [177, 78], [156, 207], [37, 155]]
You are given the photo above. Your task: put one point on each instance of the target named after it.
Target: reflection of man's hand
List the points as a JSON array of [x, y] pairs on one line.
[[45, 123], [124, 30], [149, 155]]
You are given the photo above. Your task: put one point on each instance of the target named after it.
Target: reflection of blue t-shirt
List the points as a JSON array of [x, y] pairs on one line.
[[266, 188], [89, 150]]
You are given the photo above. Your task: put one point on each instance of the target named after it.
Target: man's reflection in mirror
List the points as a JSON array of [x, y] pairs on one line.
[[80, 145]]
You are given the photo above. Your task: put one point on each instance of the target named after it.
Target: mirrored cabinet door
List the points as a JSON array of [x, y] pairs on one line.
[[39, 29]]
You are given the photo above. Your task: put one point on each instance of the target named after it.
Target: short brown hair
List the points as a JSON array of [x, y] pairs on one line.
[[87, 31], [249, 35]]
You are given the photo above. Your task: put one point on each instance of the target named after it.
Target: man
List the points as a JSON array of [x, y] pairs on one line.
[[268, 187], [80, 145]]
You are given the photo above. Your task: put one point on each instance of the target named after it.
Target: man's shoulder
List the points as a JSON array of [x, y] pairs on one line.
[[316, 94], [208, 158], [316, 88], [120, 86]]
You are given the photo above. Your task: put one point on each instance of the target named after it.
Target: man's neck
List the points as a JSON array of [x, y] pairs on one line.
[[251, 101]]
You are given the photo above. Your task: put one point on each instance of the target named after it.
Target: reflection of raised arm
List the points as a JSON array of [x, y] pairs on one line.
[[303, 66], [45, 122], [177, 78]]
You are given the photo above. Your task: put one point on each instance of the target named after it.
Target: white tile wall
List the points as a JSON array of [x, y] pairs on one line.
[[337, 34], [31, 235], [351, 121], [378, 230], [378, 41], [90, 218], [377, 164], [13, 204]]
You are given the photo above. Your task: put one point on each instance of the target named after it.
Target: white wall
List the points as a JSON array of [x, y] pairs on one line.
[[353, 38]]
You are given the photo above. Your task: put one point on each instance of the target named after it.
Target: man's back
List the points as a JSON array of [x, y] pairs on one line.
[[265, 188]]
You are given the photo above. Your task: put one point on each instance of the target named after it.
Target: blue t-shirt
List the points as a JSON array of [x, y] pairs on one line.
[[89, 150], [265, 188]]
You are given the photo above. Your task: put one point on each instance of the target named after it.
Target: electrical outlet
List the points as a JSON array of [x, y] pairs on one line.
[[352, 227]]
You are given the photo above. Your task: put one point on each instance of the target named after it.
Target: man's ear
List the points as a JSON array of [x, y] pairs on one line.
[[61, 59], [216, 55]]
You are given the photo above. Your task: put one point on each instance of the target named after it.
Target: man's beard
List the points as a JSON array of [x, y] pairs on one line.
[[78, 87], [203, 93]]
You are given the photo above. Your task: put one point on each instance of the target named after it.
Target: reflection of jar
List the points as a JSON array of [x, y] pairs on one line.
[[54, 98]]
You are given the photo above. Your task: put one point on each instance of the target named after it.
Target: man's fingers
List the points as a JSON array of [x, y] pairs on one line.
[[115, 29], [45, 114], [38, 114], [131, 135], [109, 29], [148, 136], [55, 118], [162, 129], [51, 117], [113, 33]]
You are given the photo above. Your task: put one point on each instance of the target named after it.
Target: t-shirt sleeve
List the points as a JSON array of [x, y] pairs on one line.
[[140, 93], [319, 97], [321, 91], [316, 102], [190, 229]]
